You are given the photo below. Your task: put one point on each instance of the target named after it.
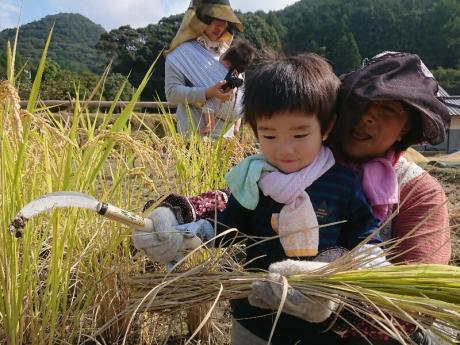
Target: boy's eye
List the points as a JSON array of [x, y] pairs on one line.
[[269, 137], [298, 136]]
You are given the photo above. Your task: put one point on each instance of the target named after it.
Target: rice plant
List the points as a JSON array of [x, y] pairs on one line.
[[60, 281], [64, 279]]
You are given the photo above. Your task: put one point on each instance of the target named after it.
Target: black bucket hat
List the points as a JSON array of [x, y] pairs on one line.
[[397, 77]]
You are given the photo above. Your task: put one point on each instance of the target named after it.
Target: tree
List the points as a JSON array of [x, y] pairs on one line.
[[21, 66], [258, 32], [50, 71], [341, 31], [72, 44], [113, 85], [345, 53], [449, 79], [134, 50], [65, 83]]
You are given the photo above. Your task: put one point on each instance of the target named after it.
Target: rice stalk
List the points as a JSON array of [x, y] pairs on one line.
[[406, 292], [417, 293], [56, 281]]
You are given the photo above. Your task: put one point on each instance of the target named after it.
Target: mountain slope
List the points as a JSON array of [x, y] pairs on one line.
[[72, 46]]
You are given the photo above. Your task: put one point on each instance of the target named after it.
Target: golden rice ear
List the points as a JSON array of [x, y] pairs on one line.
[[9, 96], [275, 222]]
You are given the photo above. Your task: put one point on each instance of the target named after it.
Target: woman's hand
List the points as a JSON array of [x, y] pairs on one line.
[[216, 91]]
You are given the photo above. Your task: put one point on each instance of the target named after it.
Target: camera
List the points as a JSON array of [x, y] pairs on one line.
[[232, 81]]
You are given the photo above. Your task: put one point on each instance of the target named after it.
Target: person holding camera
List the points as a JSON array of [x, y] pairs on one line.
[[193, 72], [216, 114]]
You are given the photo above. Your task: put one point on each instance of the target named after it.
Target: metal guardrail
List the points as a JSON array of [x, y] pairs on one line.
[[102, 104]]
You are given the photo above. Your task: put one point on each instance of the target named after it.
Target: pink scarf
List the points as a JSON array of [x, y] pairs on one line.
[[297, 224], [379, 182]]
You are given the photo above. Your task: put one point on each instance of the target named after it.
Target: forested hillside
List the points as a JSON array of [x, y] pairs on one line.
[[344, 32], [73, 45]]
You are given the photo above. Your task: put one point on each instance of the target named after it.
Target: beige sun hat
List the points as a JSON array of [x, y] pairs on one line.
[[193, 24]]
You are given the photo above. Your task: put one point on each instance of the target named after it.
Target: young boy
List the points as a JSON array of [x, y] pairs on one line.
[[293, 187], [236, 59]]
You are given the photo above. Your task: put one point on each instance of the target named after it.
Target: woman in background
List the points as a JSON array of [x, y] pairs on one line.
[[193, 73]]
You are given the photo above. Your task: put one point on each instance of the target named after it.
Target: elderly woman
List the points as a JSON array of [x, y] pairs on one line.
[[382, 109], [193, 73]]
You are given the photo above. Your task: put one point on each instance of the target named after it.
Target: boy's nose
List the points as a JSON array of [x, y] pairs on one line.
[[285, 149]]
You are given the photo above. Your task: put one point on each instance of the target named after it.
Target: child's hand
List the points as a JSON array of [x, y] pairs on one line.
[[237, 126], [267, 294], [164, 243], [209, 123]]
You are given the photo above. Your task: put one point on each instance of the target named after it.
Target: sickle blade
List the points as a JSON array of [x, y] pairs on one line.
[[48, 202]]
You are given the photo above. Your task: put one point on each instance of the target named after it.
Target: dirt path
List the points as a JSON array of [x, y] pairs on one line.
[[450, 179]]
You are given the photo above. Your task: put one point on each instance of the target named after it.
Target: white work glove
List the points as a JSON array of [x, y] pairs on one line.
[[164, 243], [267, 295]]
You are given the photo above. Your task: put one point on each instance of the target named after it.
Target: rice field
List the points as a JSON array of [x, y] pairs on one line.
[[63, 280], [67, 279]]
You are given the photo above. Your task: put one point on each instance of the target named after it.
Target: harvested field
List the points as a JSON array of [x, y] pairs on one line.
[[450, 180]]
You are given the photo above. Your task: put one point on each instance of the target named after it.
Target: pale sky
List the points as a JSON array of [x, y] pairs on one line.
[[114, 13]]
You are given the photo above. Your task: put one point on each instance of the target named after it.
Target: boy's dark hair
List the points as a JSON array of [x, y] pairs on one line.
[[278, 83], [240, 54]]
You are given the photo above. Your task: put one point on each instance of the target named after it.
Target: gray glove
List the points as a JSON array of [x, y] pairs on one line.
[[164, 243], [267, 294], [201, 228]]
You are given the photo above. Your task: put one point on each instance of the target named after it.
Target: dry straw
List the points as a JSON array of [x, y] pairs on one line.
[[418, 294], [426, 296]]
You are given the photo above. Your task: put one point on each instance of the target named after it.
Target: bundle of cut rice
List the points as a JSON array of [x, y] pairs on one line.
[[427, 296]]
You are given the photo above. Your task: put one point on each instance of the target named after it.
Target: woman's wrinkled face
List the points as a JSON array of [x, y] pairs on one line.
[[216, 29], [382, 125]]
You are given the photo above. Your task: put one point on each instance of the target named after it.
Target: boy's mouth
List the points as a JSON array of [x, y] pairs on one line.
[[287, 161], [360, 136]]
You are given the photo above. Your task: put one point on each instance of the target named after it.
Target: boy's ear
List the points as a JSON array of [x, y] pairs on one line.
[[329, 128]]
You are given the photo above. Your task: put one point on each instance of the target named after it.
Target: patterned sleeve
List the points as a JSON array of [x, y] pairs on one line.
[[206, 205], [423, 207], [191, 209], [364, 326]]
